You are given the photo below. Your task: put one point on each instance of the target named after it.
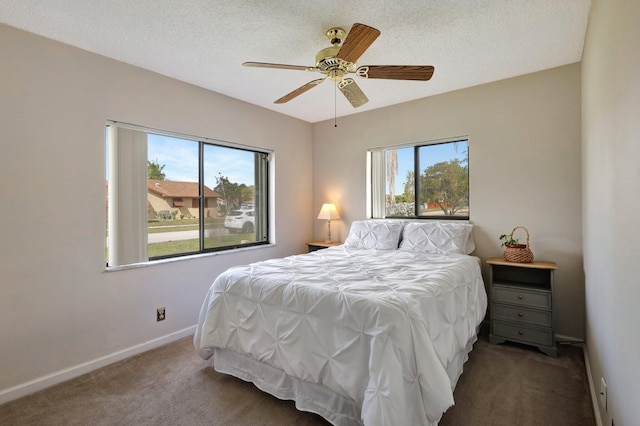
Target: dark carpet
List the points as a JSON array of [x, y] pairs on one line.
[[501, 385]]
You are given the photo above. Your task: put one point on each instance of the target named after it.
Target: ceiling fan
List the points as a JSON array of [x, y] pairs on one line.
[[340, 59]]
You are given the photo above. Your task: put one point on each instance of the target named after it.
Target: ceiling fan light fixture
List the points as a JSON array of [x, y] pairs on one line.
[[336, 75]]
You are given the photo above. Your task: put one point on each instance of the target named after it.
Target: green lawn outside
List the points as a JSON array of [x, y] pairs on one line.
[[174, 228], [189, 246], [182, 224], [155, 225]]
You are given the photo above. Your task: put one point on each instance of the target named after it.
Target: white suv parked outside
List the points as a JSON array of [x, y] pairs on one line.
[[240, 220]]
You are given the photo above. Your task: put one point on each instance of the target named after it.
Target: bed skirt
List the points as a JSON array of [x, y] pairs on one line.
[[312, 397], [336, 409]]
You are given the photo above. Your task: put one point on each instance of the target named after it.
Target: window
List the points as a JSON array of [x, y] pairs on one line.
[[171, 195], [428, 180]]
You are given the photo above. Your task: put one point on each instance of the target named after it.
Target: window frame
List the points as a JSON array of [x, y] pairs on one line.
[[265, 197], [377, 183]]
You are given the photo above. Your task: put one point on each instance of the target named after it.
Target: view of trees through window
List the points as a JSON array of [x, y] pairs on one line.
[[442, 186], [199, 197]]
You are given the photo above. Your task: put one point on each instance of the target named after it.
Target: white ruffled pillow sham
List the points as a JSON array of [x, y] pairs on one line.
[[437, 237], [374, 234]]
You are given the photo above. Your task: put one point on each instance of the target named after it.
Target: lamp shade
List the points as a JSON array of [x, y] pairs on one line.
[[328, 211]]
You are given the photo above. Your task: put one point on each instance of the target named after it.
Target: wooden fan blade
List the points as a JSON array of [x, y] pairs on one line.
[[352, 92], [358, 40], [299, 91], [396, 72], [278, 66]]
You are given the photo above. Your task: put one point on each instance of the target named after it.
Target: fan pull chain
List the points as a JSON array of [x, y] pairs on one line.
[[335, 104]]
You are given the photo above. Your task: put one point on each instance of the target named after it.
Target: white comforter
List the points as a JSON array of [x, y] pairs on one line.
[[388, 329]]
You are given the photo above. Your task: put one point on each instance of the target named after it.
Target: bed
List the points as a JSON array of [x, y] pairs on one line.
[[374, 331]]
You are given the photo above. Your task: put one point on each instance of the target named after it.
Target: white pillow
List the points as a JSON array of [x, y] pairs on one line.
[[438, 237], [374, 234]]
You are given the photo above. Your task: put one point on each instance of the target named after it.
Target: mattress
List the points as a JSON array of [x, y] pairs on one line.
[[359, 336]]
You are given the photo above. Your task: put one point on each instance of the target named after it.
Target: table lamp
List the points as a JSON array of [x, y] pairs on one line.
[[328, 212]]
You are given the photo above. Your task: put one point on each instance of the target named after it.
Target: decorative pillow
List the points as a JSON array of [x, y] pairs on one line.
[[438, 237], [374, 234]]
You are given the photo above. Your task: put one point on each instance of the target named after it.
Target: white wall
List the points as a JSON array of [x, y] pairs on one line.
[[58, 306], [524, 156], [611, 178]]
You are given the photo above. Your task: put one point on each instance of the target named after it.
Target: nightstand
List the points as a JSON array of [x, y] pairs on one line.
[[319, 245], [522, 303]]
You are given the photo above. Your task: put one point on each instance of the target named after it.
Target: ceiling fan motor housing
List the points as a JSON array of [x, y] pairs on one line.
[[334, 67], [326, 58]]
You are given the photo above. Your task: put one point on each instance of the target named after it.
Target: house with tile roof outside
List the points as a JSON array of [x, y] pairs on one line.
[[165, 197]]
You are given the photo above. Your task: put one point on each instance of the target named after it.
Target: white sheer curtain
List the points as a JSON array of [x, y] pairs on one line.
[[127, 205], [376, 184]]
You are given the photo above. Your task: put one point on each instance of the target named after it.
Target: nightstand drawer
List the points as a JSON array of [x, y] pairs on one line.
[[520, 296], [521, 314], [526, 334]]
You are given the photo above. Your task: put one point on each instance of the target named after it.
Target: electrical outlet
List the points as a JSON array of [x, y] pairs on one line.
[[603, 393], [160, 314]]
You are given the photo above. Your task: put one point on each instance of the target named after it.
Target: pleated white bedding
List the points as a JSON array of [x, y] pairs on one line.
[[361, 336]]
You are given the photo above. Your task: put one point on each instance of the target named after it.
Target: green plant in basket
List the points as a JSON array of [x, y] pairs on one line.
[[509, 241], [516, 252]]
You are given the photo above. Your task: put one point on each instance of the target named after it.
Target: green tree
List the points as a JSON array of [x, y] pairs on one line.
[[234, 194], [154, 170], [409, 186], [402, 198], [392, 171], [246, 193], [447, 185]]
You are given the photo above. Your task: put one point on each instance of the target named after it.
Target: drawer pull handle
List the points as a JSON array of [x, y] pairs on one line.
[[519, 297], [520, 314], [520, 332]]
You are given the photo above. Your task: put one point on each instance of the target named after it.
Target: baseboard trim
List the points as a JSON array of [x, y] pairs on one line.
[[561, 338], [43, 382], [592, 388]]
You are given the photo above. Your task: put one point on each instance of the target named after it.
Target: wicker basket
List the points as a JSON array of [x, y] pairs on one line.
[[519, 253]]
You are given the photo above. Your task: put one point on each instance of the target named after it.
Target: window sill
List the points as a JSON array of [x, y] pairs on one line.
[[184, 258]]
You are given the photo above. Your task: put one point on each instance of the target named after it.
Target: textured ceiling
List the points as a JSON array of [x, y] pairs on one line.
[[204, 42]]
